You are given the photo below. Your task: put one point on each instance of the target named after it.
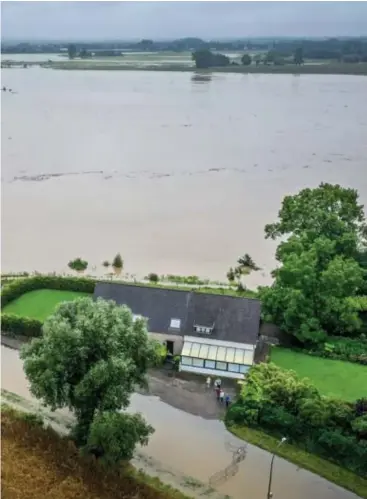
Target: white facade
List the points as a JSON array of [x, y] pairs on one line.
[[216, 358]]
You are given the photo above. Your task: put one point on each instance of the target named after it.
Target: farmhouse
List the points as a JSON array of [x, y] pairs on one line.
[[213, 334]]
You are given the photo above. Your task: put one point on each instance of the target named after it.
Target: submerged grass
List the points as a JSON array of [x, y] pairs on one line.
[[37, 461], [311, 462]]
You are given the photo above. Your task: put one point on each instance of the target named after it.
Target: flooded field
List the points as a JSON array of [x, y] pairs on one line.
[[177, 173], [186, 445]]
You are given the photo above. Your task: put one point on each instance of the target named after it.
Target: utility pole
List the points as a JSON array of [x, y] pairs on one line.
[[270, 494]]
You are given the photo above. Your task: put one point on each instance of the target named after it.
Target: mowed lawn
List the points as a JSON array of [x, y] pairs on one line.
[[332, 377], [41, 303]]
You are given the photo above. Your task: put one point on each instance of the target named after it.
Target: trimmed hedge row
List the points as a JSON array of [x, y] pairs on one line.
[[14, 325], [25, 326], [18, 287], [348, 349]]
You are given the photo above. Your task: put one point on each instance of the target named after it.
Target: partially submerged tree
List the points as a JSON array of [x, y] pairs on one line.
[[118, 262], [91, 356], [246, 59], [78, 264], [247, 264]]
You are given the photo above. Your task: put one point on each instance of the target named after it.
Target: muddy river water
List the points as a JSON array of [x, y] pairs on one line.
[[199, 448], [179, 174]]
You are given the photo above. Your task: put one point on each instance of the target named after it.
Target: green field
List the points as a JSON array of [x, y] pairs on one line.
[[41, 303], [331, 377]]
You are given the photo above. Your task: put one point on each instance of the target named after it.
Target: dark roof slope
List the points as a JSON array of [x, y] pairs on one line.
[[234, 318]]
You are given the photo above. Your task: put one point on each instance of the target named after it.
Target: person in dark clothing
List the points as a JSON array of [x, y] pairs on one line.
[[228, 400]]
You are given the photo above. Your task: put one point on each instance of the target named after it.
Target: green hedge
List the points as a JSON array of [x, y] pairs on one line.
[[13, 325], [284, 405], [351, 350], [24, 326], [18, 287]]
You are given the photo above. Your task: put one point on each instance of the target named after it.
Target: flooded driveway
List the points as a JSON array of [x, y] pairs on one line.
[[199, 448]]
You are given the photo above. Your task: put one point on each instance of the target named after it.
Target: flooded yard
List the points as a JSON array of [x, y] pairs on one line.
[[185, 445]]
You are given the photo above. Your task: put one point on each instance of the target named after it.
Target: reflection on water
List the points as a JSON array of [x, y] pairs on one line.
[[200, 448]]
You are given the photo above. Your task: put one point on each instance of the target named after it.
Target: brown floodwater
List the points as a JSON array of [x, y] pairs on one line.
[[178, 173], [199, 448]]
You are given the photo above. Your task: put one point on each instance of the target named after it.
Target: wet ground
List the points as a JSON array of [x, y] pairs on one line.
[[192, 453], [188, 393]]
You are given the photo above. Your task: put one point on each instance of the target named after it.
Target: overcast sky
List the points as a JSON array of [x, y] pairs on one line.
[[135, 20]]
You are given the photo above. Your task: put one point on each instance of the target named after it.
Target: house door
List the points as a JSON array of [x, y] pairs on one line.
[[169, 345]]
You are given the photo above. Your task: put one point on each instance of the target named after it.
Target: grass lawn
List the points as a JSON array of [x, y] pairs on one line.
[[41, 303], [332, 377]]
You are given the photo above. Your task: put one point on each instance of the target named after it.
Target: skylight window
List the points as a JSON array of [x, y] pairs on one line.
[[175, 323]]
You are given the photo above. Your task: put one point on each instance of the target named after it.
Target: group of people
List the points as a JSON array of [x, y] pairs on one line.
[[221, 396]]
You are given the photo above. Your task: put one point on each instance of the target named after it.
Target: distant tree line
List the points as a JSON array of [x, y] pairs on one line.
[[337, 49]]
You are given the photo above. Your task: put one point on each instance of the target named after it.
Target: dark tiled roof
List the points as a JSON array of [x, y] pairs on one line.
[[235, 319]]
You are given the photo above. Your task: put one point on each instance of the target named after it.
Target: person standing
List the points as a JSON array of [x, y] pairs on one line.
[[217, 391], [208, 382], [218, 383], [228, 400], [221, 395]]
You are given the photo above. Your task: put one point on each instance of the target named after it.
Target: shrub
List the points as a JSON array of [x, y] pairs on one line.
[[106, 263], [13, 325], [349, 349], [153, 277], [284, 405], [118, 262], [78, 264]]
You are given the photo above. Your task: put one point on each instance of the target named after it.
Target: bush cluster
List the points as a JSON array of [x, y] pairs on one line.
[[78, 264], [285, 406], [25, 326], [352, 350]]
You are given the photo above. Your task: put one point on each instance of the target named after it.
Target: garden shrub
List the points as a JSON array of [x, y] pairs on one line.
[[152, 277], [349, 349], [282, 404], [13, 325]]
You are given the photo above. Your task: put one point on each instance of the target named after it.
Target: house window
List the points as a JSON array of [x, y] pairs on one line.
[[195, 350], [175, 324], [244, 369], [198, 362], [212, 352], [238, 357], [204, 349], [234, 368], [230, 355], [186, 361], [221, 353], [221, 366], [210, 364], [186, 348]]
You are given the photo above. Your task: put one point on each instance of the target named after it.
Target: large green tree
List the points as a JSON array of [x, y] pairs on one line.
[[319, 270], [91, 356], [328, 210]]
